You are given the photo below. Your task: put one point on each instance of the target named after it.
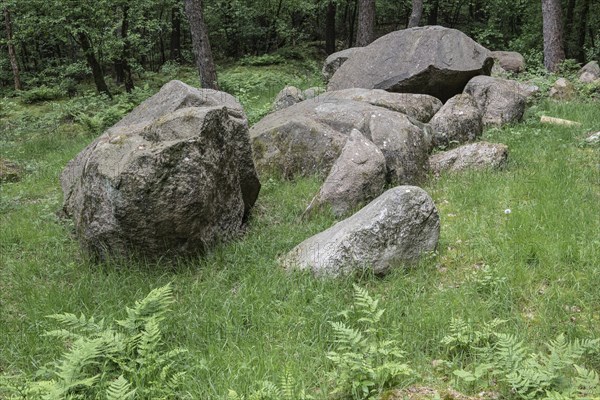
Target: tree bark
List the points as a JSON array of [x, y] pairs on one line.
[[432, 18], [11, 50], [330, 28], [123, 63], [554, 50], [415, 15], [583, 18], [366, 22], [93, 63], [175, 45], [201, 45]]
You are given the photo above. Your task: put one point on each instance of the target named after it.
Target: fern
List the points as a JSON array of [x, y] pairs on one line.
[[364, 365], [120, 390], [114, 361], [554, 374]]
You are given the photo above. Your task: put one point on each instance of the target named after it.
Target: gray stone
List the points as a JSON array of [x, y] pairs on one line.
[[593, 139], [312, 92], [175, 177], [308, 137], [459, 121], [498, 99], [478, 156], [396, 228], [510, 61], [418, 106], [590, 72], [429, 60], [562, 90], [288, 96], [334, 61], [357, 176]]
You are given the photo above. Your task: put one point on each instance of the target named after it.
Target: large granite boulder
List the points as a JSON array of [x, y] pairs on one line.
[[396, 228], [174, 177], [421, 107], [510, 61], [500, 100], [459, 121], [288, 96], [334, 61], [473, 156], [308, 137], [357, 176], [429, 60], [590, 72]]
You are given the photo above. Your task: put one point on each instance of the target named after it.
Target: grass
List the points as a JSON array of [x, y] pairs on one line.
[[244, 320]]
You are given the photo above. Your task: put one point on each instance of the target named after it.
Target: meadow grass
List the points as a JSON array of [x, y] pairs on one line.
[[245, 320]]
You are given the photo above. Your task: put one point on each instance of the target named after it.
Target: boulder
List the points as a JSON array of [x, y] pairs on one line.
[[396, 228], [498, 99], [459, 121], [307, 138], [480, 155], [175, 177], [334, 61], [288, 96], [9, 171], [357, 176], [312, 92], [510, 61], [421, 107], [429, 60], [562, 90], [590, 72]]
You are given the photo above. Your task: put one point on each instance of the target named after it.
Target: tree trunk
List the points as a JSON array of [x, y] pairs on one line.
[[432, 18], [568, 29], [175, 47], [201, 45], [93, 63], [415, 15], [127, 79], [366, 22], [11, 50], [583, 18], [330, 28], [554, 51]]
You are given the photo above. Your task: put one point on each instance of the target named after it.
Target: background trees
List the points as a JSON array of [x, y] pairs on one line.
[[112, 42]]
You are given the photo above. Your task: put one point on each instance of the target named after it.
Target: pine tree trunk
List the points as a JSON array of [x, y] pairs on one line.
[[127, 79], [554, 51], [415, 15], [93, 63], [330, 28], [432, 18], [583, 18], [175, 45], [366, 22], [11, 50], [201, 45]]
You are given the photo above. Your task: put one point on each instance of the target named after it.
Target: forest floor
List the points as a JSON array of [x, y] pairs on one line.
[[245, 321]]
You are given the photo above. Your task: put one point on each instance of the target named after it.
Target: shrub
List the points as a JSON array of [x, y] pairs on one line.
[[41, 93]]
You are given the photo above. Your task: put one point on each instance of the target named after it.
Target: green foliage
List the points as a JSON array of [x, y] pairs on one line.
[[41, 93], [364, 363], [464, 336], [262, 60], [124, 360], [287, 389], [556, 373]]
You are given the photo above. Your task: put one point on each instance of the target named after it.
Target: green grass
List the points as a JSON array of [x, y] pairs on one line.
[[244, 320]]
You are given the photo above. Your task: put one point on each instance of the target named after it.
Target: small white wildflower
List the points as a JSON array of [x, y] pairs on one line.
[[507, 211]]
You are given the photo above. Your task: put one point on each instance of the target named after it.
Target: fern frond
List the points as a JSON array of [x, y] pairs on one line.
[[119, 389], [155, 305], [149, 339]]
